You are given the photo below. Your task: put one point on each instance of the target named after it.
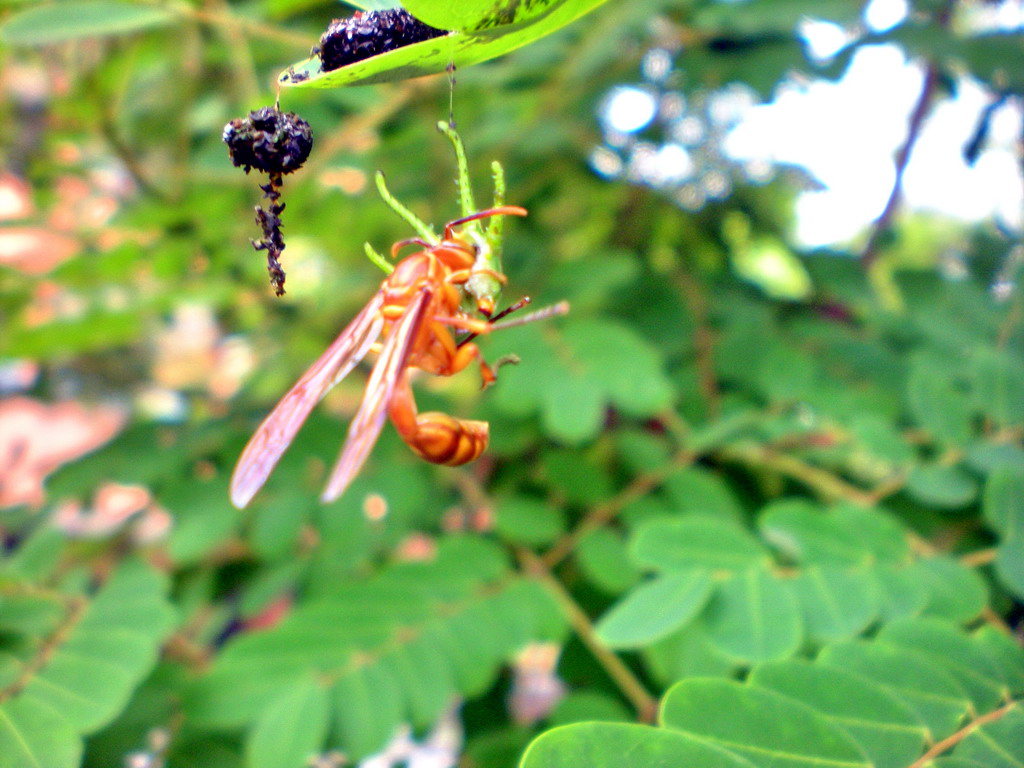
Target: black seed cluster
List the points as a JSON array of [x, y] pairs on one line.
[[269, 140], [276, 143], [273, 241], [369, 33]]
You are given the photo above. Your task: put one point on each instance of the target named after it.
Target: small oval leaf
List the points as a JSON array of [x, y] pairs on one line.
[[733, 715], [60, 22], [655, 609], [755, 617], [605, 745]]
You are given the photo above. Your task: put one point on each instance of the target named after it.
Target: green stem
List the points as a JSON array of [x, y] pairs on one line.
[[644, 703], [466, 202], [410, 218], [377, 259]]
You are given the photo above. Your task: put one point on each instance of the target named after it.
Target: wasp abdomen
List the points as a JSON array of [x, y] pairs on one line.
[[443, 439]]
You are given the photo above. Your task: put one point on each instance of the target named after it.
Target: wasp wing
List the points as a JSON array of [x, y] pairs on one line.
[[280, 427], [366, 426]]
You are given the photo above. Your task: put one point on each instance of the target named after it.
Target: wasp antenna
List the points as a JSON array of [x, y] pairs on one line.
[[555, 310]]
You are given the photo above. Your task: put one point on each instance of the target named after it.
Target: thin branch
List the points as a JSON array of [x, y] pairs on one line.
[[242, 65], [826, 484], [601, 514], [946, 744], [224, 19], [644, 703], [917, 117], [979, 558], [703, 341], [884, 222], [73, 613]]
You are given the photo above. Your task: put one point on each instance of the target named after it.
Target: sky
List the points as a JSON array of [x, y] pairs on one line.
[[846, 134]]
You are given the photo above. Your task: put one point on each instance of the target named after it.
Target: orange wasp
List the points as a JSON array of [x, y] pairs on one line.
[[416, 311]]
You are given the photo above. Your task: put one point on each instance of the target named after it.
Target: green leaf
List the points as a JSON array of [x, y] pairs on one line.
[[881, 440], [956, 592], [82, 669], [436, 629], [655, 608], [601, 347], [942, 487], [836, 603], [786, 374], [985, 457], [604, 560], [998, 383], [688, 653], [45, 24], [880, 532], [1008, 655], [462, 48], [890, 733], [291, 730], [579, 479], [106, 651], [937, 404], [754, 617], [733, 715], [701, 541], [607, 745], [1003, 502], [367, 708], [758, 16], [573, 408], [774, 268], [33, 735], [995, 58], [587, 705], [695, 490], [901, 592], [524, 520], [935, 696], [805, 534], [1010, 565], [476, 15], [951, 649], [427, 676]]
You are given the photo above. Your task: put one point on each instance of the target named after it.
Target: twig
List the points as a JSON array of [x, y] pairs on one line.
[[997, 621], [646, 706], [979, 558], [883, 222], [917, 116], [74, 611], [946, 744], [639, 487], [224, 19], [703, 342], [242, 65], [828, 485]]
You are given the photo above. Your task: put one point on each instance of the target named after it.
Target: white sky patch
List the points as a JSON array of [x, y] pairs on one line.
[[629, 109], [881, 15], [846, 135], [824, 39]]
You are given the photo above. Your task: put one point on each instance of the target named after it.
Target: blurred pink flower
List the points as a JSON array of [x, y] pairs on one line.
[[36, 439], [35, 250], [536, 689]]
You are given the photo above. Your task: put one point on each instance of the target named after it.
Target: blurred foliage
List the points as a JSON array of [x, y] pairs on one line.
[[739, 477]]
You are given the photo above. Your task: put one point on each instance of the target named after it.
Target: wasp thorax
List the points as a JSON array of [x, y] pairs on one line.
[[443, 439]]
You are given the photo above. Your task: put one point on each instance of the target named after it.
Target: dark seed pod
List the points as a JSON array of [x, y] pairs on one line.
[[269, 140], [370, 33], [276, 143]]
